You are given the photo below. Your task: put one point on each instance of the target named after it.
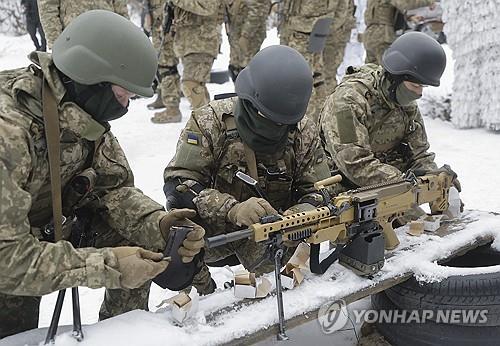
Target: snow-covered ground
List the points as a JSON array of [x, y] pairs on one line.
[[473, 154]]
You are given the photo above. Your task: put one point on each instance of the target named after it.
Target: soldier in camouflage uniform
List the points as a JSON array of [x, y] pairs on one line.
[[55, 15], [380, 18], [169, 90], [336, 42], [298, 19], [197, 38], [256, 133], [119, 216], [371, 128], [246, 30]]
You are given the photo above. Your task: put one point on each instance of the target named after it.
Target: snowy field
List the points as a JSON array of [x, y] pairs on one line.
[[473, 154]]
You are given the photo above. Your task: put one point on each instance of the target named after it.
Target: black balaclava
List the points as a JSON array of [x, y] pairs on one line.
[[259, 133], [98, 100]]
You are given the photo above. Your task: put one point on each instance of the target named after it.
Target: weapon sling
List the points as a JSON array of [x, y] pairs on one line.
[[52, 135]]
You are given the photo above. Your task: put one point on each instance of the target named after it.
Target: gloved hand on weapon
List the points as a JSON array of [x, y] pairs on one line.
[[138, 265], [250, 211], [446, 169], [194, 241]]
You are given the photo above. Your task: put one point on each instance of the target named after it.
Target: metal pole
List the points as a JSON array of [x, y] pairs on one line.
[[77, 322], [51, 333], [279, 295]]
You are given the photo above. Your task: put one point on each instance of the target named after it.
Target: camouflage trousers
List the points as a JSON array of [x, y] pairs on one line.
[[300, 41], [250, 254], [333, 55], [167, 68], [241, 56], [195, 75], [376, 39]]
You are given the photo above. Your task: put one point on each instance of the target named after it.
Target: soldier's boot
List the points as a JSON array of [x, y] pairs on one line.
[[196, 93], [157, 103], [234, 71], [171, 114]]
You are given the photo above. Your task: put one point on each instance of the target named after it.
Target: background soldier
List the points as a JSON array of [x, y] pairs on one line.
[[96, 180], [256, 133], [380, 19], [246, 30], [197, 38], [371, 126], [55, 15], [336, 42], [298, 19], [169, 89], [33, 24]]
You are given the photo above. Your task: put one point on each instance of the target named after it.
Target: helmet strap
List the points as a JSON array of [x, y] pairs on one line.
[[395, 81]]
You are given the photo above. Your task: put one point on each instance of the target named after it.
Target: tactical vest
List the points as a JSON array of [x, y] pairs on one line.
[[275, 172]]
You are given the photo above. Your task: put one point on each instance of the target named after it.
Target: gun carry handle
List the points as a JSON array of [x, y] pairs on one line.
[[318, 267], [391, 239]]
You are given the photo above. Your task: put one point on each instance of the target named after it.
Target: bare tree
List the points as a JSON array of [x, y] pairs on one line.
[[12, 19]]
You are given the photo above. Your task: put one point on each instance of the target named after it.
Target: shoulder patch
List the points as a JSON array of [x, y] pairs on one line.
[[192, 138]]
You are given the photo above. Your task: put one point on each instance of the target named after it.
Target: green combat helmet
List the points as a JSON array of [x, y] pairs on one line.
[[102, 46], [278, 82], [415, 57]]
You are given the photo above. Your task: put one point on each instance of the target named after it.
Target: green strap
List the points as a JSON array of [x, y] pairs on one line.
[[52, 134]]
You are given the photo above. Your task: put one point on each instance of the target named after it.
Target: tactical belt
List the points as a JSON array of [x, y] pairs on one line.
[[52, 134]]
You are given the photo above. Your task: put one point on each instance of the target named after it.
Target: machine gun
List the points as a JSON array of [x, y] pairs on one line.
[[359, 222]]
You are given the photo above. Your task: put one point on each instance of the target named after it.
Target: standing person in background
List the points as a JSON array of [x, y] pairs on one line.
[[33, 24], [246, 30], [380, 19], [336, 42], [197, 39], [298, 18], [169, 87], [55, 15]]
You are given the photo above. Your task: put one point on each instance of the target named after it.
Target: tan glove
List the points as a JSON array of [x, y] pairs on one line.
[[249, 212], [138, 265], [194, 241]]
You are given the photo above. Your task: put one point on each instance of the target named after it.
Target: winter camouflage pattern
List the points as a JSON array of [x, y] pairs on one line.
[[245, 19], [362, 131], [170, 86], [55, 15], [380, 16], [122, 215], [336, 42], [197, 39], [298, 19], [210, 154]]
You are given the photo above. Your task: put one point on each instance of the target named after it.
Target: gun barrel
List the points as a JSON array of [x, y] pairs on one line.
[[223, 239]]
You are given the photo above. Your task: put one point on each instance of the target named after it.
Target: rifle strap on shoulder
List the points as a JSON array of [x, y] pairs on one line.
[[52, 135]]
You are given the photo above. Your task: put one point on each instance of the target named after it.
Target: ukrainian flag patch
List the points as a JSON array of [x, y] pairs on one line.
[[192, 138]]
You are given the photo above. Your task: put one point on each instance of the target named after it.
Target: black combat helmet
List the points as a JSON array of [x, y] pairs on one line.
[[417, 57], [278, 82], [102, 46]]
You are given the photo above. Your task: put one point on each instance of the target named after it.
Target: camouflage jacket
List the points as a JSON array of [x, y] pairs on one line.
[[301, 15], [383, 12], [210, 153], [30, 266], [55, 15], [197, 27], [369, 138]]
